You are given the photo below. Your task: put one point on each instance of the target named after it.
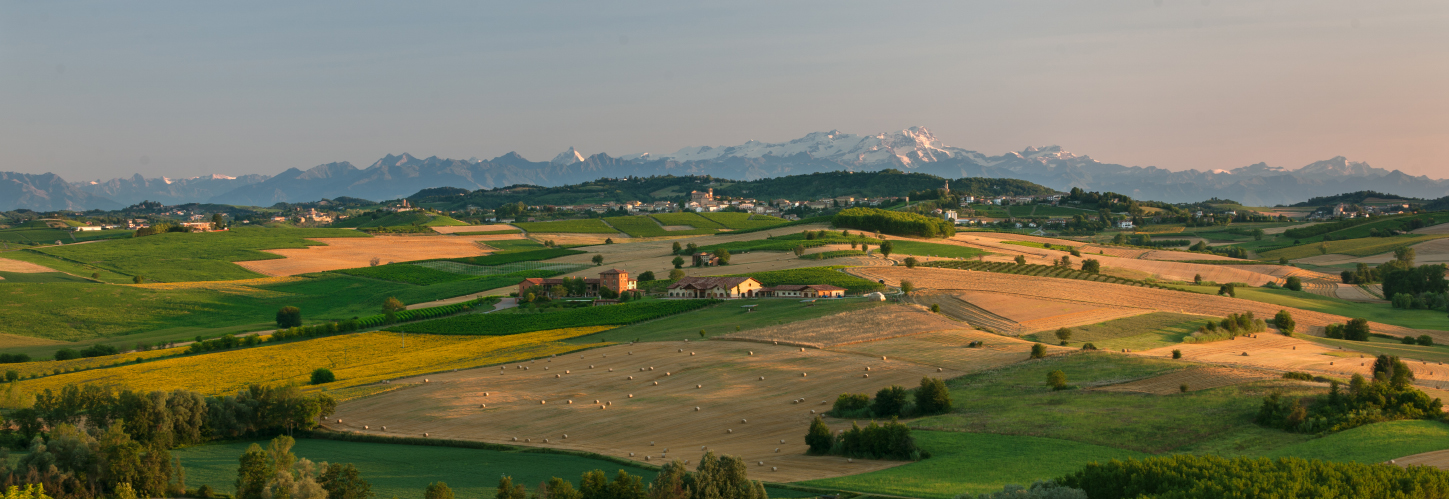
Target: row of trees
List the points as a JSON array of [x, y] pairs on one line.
[[931, 397], [1388, 396], [716, 477], [277, 473], [894, 222], [1354, 330], [1186, 475], [875, 441]]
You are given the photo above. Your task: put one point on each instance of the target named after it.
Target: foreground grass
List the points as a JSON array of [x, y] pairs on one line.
[[1377, 312], [975, 463], [1374, 443], [726, 318], [1015, 400]]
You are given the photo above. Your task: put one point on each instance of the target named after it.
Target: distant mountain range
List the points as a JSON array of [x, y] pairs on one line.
[[911, 150]]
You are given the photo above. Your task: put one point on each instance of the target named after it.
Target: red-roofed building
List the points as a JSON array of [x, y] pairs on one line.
[[715, 287], [614, 279]]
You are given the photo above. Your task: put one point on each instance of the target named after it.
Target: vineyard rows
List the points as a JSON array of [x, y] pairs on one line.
[[1036, 270], [514, 323]]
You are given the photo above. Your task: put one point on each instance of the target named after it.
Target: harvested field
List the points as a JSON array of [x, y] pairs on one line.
[[1281, 353], [1438, 459], [19, 267], [1037, 314], [1442, 228], [1105, 294], [857, 326], [1429, 252], [1352, 292], [947, 349], [1128, 259], [353, 252], [453, 229], [738, 413], [1181, 255], [1197, 378]]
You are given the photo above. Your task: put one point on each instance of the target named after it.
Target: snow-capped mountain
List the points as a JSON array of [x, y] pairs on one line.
[[913, 149]]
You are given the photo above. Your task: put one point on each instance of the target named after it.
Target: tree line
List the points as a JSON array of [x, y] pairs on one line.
[[894, 222], [1388, 396]]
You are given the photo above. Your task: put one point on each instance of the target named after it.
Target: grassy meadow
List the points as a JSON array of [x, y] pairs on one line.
[[585, 226], [1367, 246], [1142, 332], [1377, 312]]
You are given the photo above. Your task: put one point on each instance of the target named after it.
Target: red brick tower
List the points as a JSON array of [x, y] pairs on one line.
[[615, 279]]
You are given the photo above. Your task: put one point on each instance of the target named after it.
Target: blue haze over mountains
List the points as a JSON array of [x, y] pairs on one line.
[[913, 149]]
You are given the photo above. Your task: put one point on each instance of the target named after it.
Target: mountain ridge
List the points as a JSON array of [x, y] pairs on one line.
[[913, 149]]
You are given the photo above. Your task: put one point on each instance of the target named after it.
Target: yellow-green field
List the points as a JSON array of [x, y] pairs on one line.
[[1367, 246]]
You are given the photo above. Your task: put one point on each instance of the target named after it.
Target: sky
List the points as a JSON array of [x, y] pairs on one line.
[[95, 90]]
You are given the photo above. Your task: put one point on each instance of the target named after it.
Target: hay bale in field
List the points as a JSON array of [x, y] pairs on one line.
[[631, 395], [666, 374], [762, 378], [656, 383], [691, 354], [566, 435], [485, 394], [939, 369], [774, 468], [696, 409], [731, 430], [802, 375], [566, 371], [782, 440], [425, 434], [339, 421], [865, 376], [384, 428], [752, 352], [777, 450], [744, 421], [541, 402], [631, 377], [558, 375], [571, 401], [545, 440], [364, 427], [681, 349]]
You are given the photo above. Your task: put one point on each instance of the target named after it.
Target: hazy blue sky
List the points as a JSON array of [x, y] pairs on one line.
[[103, 89]]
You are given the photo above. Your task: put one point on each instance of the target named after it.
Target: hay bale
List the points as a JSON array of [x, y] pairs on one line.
[[802, 349], [731, 430], [339, 421], [631, 377], [762, 463], [691, 354], [939, 369], [777, 450], [867, 368], [762, 378], [651, 444], [782, 440], [802, 375], [812, 411], [774, 468], [631, 395], [558, 375], [566, 435], [696, 409], [566, 371], [425, 434], [485, 394], [666, 374], [681, 350], [656, 383], [425, 380], [611, 369], [384, 428], [571, 401], [744, 421], [752, 352], [865, 376], [699, 386], [541, 402], [631, 454], [364, 427], [545, 440]]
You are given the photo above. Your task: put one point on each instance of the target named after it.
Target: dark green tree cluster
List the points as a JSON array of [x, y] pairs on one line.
[[1234, 325], [74, 463], [1185, 476], [894, 222], [275, 472], [716, 477], [1388, 396], [1354, 330], [1284, 322], [931, 397], [97, 350], [1091, 266], [874, 441], [289, 317]]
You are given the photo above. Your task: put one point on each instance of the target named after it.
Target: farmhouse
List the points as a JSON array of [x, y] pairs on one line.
[[804, 291], [715, 287], [614, 279]]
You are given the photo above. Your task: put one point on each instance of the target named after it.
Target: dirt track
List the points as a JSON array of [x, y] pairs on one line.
[[739, 413]]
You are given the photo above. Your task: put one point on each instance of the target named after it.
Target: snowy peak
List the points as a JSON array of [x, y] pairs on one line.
[[1341, 166], [568, 157], [903, 148]]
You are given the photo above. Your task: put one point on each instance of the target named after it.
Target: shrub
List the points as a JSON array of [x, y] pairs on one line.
[[935, 308], [1088, 346], [1091, 265], [13, 358], [1176, 354], [850, 405], [911, 262], [1284, 322], [932, 397], [1020, 259], [907, 287], [1182, 388], [1425, 340], [438, 490], [889, 401], [647, 276], [1057, 380], [1064, 334], [890, 441], [1294, 284], [289, 317], [66, 354], [893, 222], [1408, 340], [676, 274], [323, 375], [1038, 351], [1228, 290], [819, 438], [1197, 279], [1298, 376], [1356, 330]]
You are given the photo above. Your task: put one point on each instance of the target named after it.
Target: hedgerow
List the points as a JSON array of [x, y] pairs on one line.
[[1189, 476], [894, 222]]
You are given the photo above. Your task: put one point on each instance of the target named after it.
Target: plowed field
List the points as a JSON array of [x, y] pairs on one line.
[[454, 229], [1036, 314], [353, 252], [1104, 294], [1152, 262], [1281, 353], [852, 327], [739, 413], [948, 349], [19, 267]]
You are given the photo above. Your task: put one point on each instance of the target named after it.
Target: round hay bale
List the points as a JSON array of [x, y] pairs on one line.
[[802, 349], [610, 403], [425, 434], [651, 444], [591, 366], [364, 427], [752, 352], [425, 380], [541, 402], [646, 458], [566, 371], [611, 369], [882, 357], [681, 349], [651, 368], [631, 395], [558, 375], [696, 409], [545, 367], [762, 378], [777, 450], [603, 407], [545, 440], [777, 343], [699, 386], [802, 375], [867, 368], [482, 406], [762, 463], [782, 440], [666, 374], [515, 439], [731, 430], [631, 377], [865, 376], [384, 428], [703, 447], [485, 394], [596, 401], [566, 435], [691, 354], [631, 352], [939, 369], [527, 440], [631, 454], [774, 468], [849, 460], [812, 411], [571, 401], [656, 383], [744, 420], [339, 421]]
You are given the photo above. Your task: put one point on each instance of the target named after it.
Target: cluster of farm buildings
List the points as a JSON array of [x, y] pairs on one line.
[[724, 288]]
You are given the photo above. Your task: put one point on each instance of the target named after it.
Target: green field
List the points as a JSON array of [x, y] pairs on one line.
[[975, 463], [1383, 346], [1377, 312], [790, 241], [1016, 401], [406, 273], [739, 221], [725, 318], [584, 226], [644, 226], [1046, 211], [122, 315], [404, 219], [518, 320], [826, 255], [917, 248], [1374, 443], [1142, 332], [816, 275], [17, 277], [1367, 246], [48, 237], [687, 218], [177, 256], [514, 245], [511, 256]]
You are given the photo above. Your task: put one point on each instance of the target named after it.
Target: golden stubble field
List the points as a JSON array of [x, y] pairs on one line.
[[859, 326], [748, 399], [19, 267], [353, 252]]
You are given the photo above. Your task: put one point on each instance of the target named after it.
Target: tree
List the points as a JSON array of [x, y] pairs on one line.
[[889, 401], [341, 481], [1405, 255], [1356, 330], [1066, 261], [799, 250], [886, 248], [676, 274], [1282, 260], [138, 280], [677, 248], [1021, 259], [647, 276], [507, 489], [289, 317], [678, 261], [390, 307], [1197, 279], [1293, 284], [1425, 340], [323, 375], [253, 473], [1038, 351], [723, 255], [216, 222], [598, 260], [691, 248], [1257, 234], [907, 287], [1057, 380], [1091, 266], [933, 397], [374, 261], [437, 490], [1064, 334], [911, 262], [1284, 321], [819, 437], [558, 291], [1323, 246], [1176, 354], [1228, 290]]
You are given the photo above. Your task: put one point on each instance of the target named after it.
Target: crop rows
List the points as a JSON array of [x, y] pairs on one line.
[[507, 268], [734, 220], [584, 226], [643, 226], [1035, 270], [687, 218], [825, 255], [789, 242], [498, 324], [515, 257]]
